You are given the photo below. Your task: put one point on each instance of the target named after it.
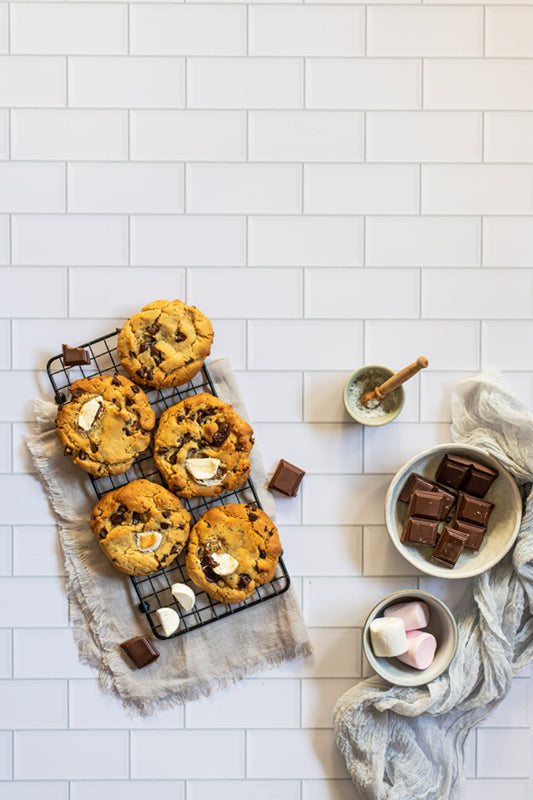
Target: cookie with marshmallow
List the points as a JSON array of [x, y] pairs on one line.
[[141, 527]]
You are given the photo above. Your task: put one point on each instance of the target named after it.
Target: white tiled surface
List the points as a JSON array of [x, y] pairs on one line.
[[333, 183]]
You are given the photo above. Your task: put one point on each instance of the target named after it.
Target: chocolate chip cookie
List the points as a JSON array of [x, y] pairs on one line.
[[106, 424], [202, 447], [141, 527], [233, 549], [165, 344]]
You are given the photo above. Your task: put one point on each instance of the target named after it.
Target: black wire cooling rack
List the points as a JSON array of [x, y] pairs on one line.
[[154, 591]]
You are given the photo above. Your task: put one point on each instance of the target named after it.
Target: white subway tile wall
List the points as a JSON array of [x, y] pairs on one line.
[[333, 183]]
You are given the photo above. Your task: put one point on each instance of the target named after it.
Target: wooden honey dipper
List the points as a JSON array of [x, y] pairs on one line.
[[394, 381]]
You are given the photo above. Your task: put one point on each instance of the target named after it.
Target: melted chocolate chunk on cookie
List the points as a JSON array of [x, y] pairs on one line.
[[262, 554], [252, 517], [115, 381], [135, 517], [162, 450], [135, 389], [244, 580], [141, 373], [164, 525], [165, 514], [153, 329], [179, 337], [221, 435]]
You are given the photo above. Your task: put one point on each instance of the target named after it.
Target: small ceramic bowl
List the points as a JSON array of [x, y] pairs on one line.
[[441, 624], [504, 522], [365, 379]]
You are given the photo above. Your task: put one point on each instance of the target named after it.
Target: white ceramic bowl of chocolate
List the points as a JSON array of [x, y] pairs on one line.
[[503, 524], [441, 625]]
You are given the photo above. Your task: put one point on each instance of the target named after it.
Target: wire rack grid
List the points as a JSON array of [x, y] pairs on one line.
[[154, 591]]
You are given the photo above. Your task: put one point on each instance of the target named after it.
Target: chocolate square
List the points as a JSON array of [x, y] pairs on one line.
[[414, 483], [426, 504], [479, 480], [140, 650], [75, 356], [286, 478], [475, 533], [450, 546], [420, 531], [449, 500], [473, 509], [452, 471]]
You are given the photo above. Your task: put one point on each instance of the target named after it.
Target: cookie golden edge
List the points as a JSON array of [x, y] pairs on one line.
[[166, 514], [177, 377], [100, 385], [261, 529], [177, 479]]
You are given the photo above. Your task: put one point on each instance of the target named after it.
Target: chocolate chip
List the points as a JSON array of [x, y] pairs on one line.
[[130, 401], [82, 456], [144, 346], [141, 373], [252, 517], [156, 354], [152, 330], [117, 518], [180, 337], [173, 458], [166, 514], [180, 417], [135, 518], [127, 432], [135, 389], [150, 375], [115, 381], [103, 534], [262, 554], [244, 580], [164, 525], [162, 450], [221, 435], [175, 548]]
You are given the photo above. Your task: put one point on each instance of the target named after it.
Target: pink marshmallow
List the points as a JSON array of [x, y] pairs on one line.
[[421, 648], [415, 614]]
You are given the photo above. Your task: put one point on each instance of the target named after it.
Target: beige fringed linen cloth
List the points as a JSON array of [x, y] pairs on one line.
[[409, 743], [104, 606]]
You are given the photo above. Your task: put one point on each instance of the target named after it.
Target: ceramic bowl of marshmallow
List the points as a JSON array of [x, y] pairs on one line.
[[410, 637]]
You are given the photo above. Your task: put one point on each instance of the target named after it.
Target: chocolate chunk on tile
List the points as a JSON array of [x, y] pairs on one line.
[[450, 546], [473, 509], [420, 531], [475, 533], [414, 483], [75, 356], [140, 650], [452, 471], [429, 505], [479, 479], [286, 478]]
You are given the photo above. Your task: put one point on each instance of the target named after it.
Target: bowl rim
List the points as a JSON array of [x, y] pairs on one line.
[[389, 599], [432, 569], [359, 417]]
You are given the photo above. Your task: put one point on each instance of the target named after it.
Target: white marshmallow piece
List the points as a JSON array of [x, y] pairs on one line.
[[148, 541], [184, 595], [169, 620], [226, 564], [202, 469], [388, 636], [421, 647], [415, 614], [88, 413]]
